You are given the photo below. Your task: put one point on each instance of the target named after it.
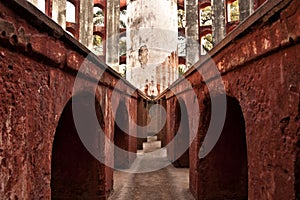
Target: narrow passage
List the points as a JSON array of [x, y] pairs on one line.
[[168, 183]]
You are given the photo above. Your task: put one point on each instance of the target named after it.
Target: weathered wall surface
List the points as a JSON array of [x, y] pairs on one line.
[[142, 121], [152, 61], [38, 66], [259, 63], [112, 33], [163, 131]]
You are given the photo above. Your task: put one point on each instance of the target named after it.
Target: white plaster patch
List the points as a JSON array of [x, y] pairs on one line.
[[8, 122], [267, 43], [254, 47]]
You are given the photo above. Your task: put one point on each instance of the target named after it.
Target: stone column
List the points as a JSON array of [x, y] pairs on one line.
[[192, 32], [86, 23], [59, 12], [151, 44], [112, 33], [218, 20], [245, 8]]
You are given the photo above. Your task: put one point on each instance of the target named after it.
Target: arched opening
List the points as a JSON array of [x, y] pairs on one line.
[[205, 16], [123, 18], [70, 12], [181, 46], [233, 13], [99, 30], [98, 17], [206, 43], [72, 17], [181, 18], [223, 173], [41, 5], [98, 45], [182, 136], [121, 138], [75, 173], [122, 46], [122, 54]]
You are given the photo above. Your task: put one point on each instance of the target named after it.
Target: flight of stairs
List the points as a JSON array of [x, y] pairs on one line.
[[151, 145]]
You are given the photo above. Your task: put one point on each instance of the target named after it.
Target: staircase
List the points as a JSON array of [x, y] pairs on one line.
[[151, 145]]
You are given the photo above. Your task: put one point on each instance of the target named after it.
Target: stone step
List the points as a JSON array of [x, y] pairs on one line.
[[151, 146], [151, 138], [157, 153]]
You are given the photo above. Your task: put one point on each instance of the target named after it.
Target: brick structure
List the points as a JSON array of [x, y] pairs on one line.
[[256, 157], [39, 63]]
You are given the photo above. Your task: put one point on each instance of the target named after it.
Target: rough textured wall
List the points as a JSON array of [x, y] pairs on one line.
[[152, 61], [259, 62], [142, 120], [38, 64], [163, 132], [70, 180]]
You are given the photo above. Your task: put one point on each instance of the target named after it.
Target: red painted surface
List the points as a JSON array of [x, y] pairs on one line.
[[38, 66], [260, 69], [74, 171]]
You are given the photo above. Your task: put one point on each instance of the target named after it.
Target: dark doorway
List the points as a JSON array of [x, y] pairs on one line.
[[181, 136], [224, 171], [121, 138], [75, 173]]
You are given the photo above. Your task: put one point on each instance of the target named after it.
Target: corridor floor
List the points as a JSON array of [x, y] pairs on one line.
[[168, 183]]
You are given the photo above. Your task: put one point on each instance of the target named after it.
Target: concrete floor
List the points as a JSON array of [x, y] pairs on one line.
[[168, 183]]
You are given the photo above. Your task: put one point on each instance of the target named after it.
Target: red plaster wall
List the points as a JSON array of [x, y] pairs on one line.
[[181, 136], [223, 173], [121, 137], [142, 121], [259, 63], [74, 171], [38, 65], [162, 135]]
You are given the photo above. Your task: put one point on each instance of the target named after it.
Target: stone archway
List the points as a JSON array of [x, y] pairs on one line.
[[181, 135], [223, 173], [75, 173], [121, 138]]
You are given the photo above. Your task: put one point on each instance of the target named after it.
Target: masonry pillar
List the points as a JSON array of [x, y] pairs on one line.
[[112, 33], [152, 36], [86, 23], [192, 32], [59, 12], [218, 20], [245, 8]]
